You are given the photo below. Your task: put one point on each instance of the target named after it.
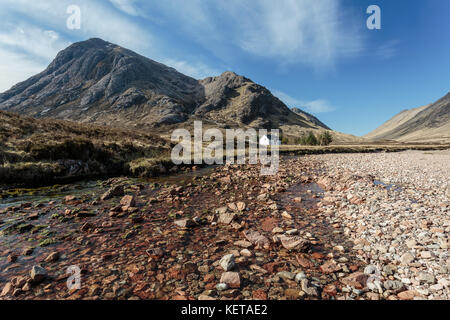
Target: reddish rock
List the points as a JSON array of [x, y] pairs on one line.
[[357, 280], [240, 206], [259, 295], [407, 295], [52, 257], [273, 266], [305, 263], [330, 290], [256, 238], [269, 224], [317, 255], [7, 289], [293, 242], [128, 201], [68, 199], [232, 279], [330, 267], [209, 278]]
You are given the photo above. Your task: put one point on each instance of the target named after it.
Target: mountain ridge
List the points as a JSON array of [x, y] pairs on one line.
[[97, 81], [430, 123]]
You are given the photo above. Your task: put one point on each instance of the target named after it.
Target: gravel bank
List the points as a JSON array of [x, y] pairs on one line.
[[395, 208]]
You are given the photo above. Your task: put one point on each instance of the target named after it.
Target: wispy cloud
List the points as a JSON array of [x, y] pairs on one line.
[[195, 70], [314, 106], [127, 6], [316, 33], [24, 51], [32, 33], [387, 50]]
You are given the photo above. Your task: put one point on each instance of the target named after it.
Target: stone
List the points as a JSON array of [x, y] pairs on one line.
[[407, 258], [38, 274], [232, 279], [309, 290], [256, 238], [240, 206], [227, 262], [243, 244], [116, 191], [259, 295], [393, 285], [300, 276], [128, 201], [184, 223], [408, 295], [7, 289], [426, 277], [286, 275], [222, 287], [226, 218], [292, 293], [286, 215], [18, 281], [294, 242], [357, 280], [411, 243], [246, 253], [52, 257], [68, 199]]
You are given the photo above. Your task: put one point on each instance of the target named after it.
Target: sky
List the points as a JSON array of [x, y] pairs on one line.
[[318, 55]]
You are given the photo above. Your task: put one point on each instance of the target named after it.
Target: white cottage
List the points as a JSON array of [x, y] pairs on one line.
[[266, 140]]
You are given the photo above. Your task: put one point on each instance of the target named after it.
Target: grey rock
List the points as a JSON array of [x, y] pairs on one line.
[[227, 262], [38, 274]]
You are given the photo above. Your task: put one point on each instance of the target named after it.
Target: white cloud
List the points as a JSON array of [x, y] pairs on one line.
[[316, 33], [127, 6], [314, 106], [32, 33], [194, 70], [318, 106], [31, 40], [16, 68], [387, 50]]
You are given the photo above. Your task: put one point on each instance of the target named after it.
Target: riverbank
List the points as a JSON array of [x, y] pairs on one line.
[[229, 233]]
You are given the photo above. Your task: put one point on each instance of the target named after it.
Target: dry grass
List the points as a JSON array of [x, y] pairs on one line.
[[40, 151]]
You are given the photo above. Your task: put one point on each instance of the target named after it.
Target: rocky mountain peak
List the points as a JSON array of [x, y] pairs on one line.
[[97, 81]]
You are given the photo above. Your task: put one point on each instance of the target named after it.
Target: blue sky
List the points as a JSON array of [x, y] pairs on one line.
[[314, 54]]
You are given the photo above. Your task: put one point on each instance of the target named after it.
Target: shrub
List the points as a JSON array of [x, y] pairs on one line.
[[325, 138]]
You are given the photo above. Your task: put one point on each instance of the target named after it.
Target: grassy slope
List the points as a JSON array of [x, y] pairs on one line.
[[40, 151]]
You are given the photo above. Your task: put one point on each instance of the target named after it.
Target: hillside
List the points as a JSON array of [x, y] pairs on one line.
[[97, 81], [429, 124], [42, 151]]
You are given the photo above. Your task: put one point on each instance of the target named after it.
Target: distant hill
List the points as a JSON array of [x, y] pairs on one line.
[[430, 123], [97, 81]]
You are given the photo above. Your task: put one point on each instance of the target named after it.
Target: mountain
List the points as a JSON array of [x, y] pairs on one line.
[[310, 118], [97, 81], [429, 123]]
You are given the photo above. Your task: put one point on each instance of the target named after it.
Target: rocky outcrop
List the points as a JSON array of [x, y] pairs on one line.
[[97, 81]]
